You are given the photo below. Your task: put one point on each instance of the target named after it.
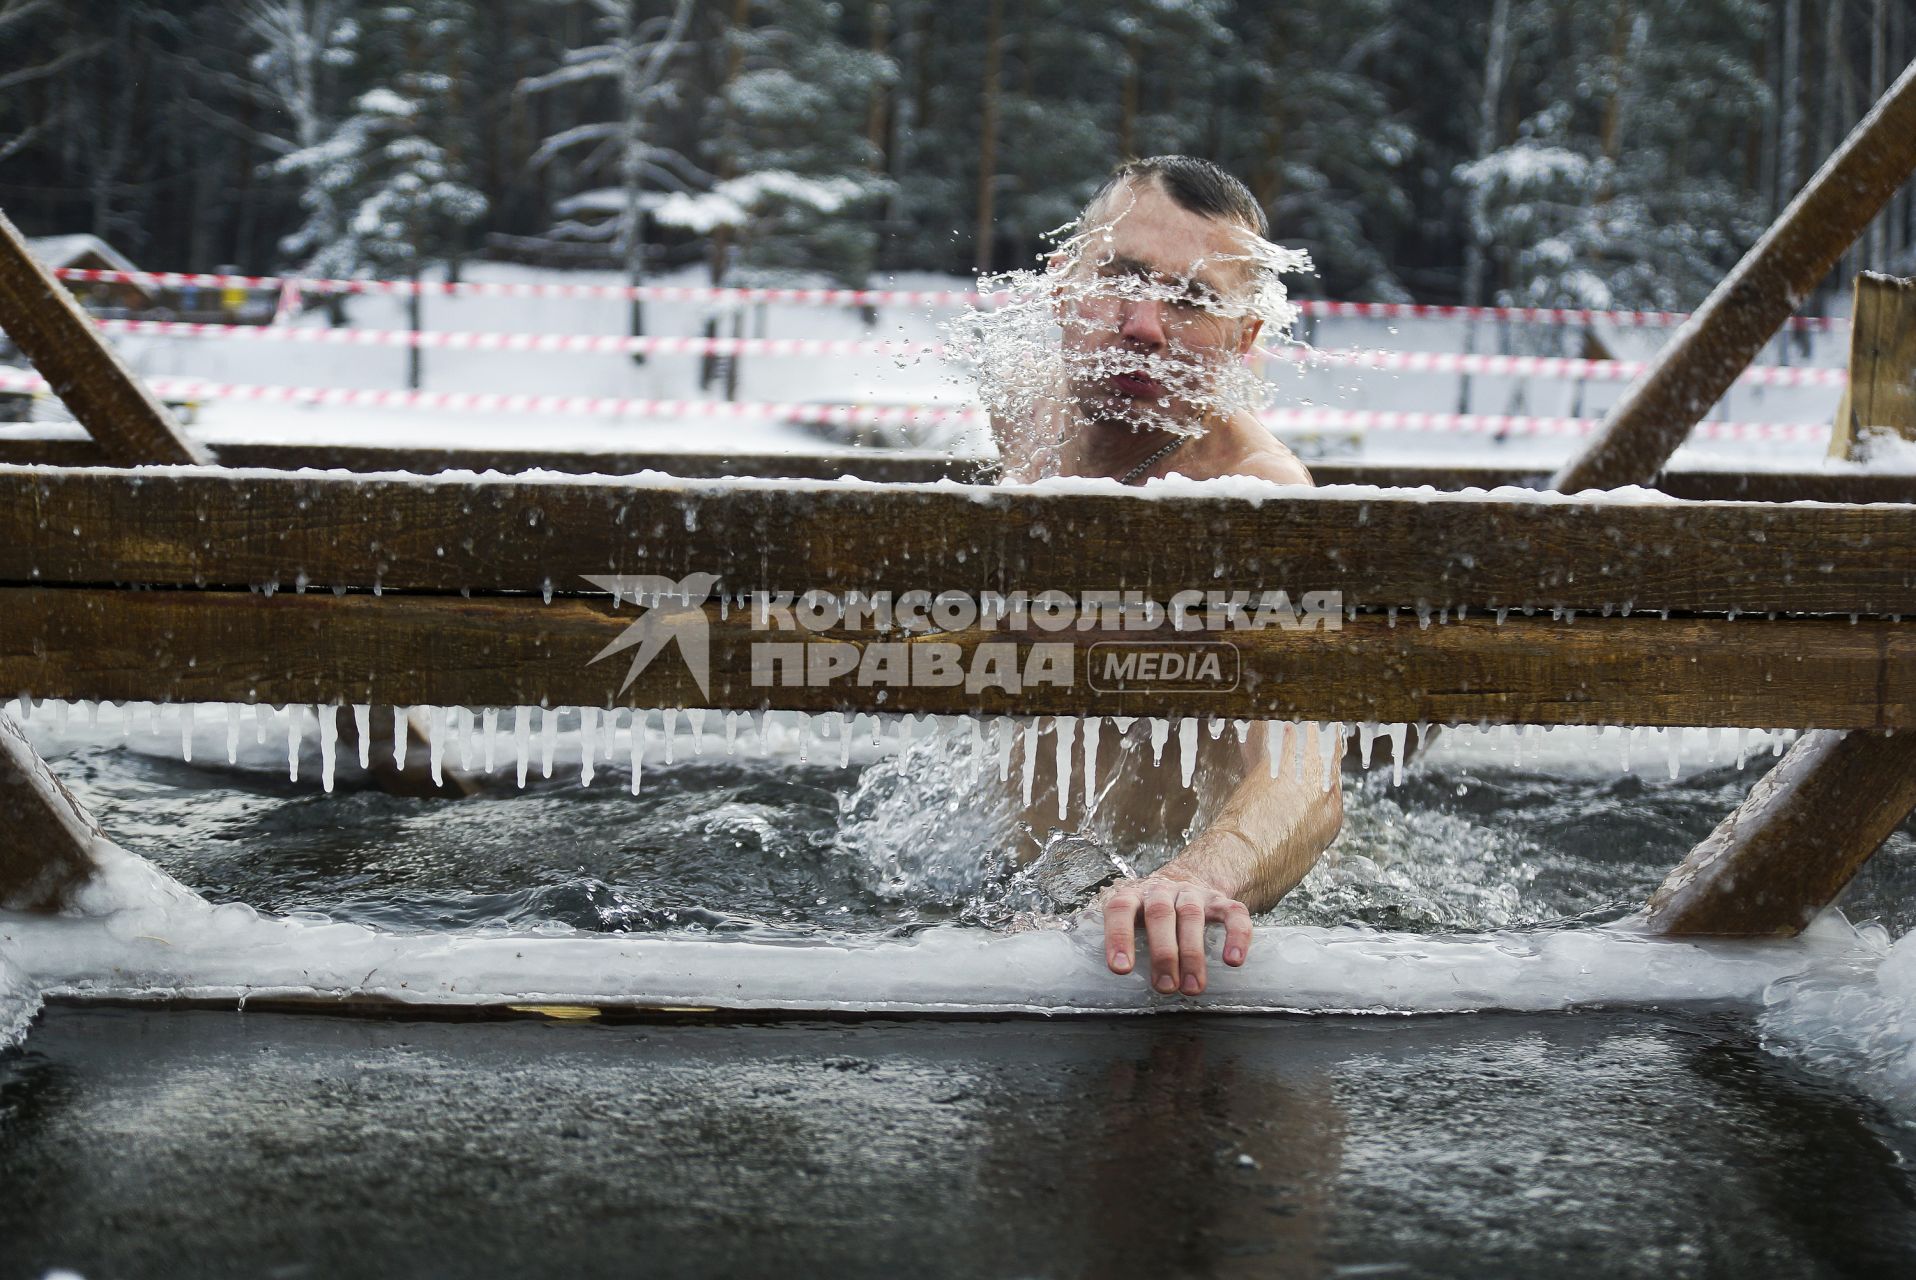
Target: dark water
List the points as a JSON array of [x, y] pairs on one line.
[[1601, 1143], [206, 1145], [760, 847]]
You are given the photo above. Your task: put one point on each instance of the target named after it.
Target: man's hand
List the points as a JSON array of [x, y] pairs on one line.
[[1175, 906]]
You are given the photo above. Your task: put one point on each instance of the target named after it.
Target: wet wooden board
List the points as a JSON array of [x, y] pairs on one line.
[[492, 535], [319, 648]]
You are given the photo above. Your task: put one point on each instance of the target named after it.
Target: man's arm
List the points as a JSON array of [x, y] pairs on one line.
[[1265, 839]]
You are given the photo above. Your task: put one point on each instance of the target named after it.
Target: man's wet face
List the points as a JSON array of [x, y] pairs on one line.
[[1152, 308]]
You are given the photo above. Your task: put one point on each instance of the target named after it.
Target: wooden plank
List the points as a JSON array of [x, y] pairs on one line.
[[896, 466], [1881, 397], [116, 645], [1807, 827], [236, 530], [48, 849], [44, 321], [1699, 364], [1825, 808], [885, 465]]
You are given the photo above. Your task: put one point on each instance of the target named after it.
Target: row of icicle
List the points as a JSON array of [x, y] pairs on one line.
[[613, 734]]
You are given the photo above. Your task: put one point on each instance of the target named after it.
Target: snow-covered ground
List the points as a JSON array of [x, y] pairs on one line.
[[880, 380]]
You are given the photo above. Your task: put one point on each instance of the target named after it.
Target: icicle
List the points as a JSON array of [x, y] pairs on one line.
[[1366, 735], [804, 736], [363, 722], [588, 742], [906, 724], [548, 738], [1065, 728], [401, 722], [1399, 733], [23, 704], [1629, 740], [1274, 746], [292, 744], [1160, 734], [609, 736], [436, 744], [1093, 726], [468, 739], [490, 718], [186, 712], [635, 744], [232, 732], [152, 720], [845, 737], [696, 719], [1001, 731], [1423, 731], [1123, 723], [262, 714], [1329, 745], [1187, 748], [1215, 726], [1300, 735], [1712, 739], [1673, 745], [669, 722], [459, 720], [1242, 728], [93, 715], [328, 744], [522, 741], [1776, 741], [1742, 748], [59, 716], [731, 732], [1030, 761]]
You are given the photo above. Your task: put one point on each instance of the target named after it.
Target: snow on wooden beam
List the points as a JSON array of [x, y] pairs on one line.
[[41, 316], [1378, 548], [901, 466], [47, 851], [1698, 365], [77, 643]]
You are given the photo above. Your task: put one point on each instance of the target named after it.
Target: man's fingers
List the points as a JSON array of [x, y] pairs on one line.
[[1237, 931], [1161, 931], [1191, 913], [1120, 929]]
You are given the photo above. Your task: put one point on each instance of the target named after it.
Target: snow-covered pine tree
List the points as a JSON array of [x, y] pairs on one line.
[[797, 184], [637, 59], [1617, 190]]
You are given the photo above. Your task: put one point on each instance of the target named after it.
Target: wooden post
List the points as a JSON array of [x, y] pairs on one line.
[[48, 849], [1807, 827], [132, 427], [1881, 397], [1812, 822], [1697, 366]]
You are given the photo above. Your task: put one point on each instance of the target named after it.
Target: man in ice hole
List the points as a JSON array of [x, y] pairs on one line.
[[1154, 298]]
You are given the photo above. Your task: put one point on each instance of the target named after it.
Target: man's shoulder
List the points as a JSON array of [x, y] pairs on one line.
[[1264, 456]]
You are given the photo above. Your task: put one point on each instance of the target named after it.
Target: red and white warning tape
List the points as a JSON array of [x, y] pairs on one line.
[[1283, 420], [1310, 307], [1393, 361]]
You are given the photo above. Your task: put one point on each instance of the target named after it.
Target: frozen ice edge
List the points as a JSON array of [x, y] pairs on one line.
[[172, 945]]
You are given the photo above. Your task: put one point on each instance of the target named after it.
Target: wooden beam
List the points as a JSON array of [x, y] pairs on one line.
[[491, 535], [897, 466], [1698, 365], [48, 849], [1880, 400], [1808, 826], [47, 448], [320, 649], [1828, 805], [44, 321]]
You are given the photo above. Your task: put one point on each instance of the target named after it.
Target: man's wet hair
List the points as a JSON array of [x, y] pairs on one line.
[[1196, 185]]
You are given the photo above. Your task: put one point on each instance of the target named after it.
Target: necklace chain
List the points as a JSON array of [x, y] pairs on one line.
[[1153, 460]]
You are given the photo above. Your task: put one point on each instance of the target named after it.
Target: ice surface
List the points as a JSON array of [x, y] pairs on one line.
[[139, 935]]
